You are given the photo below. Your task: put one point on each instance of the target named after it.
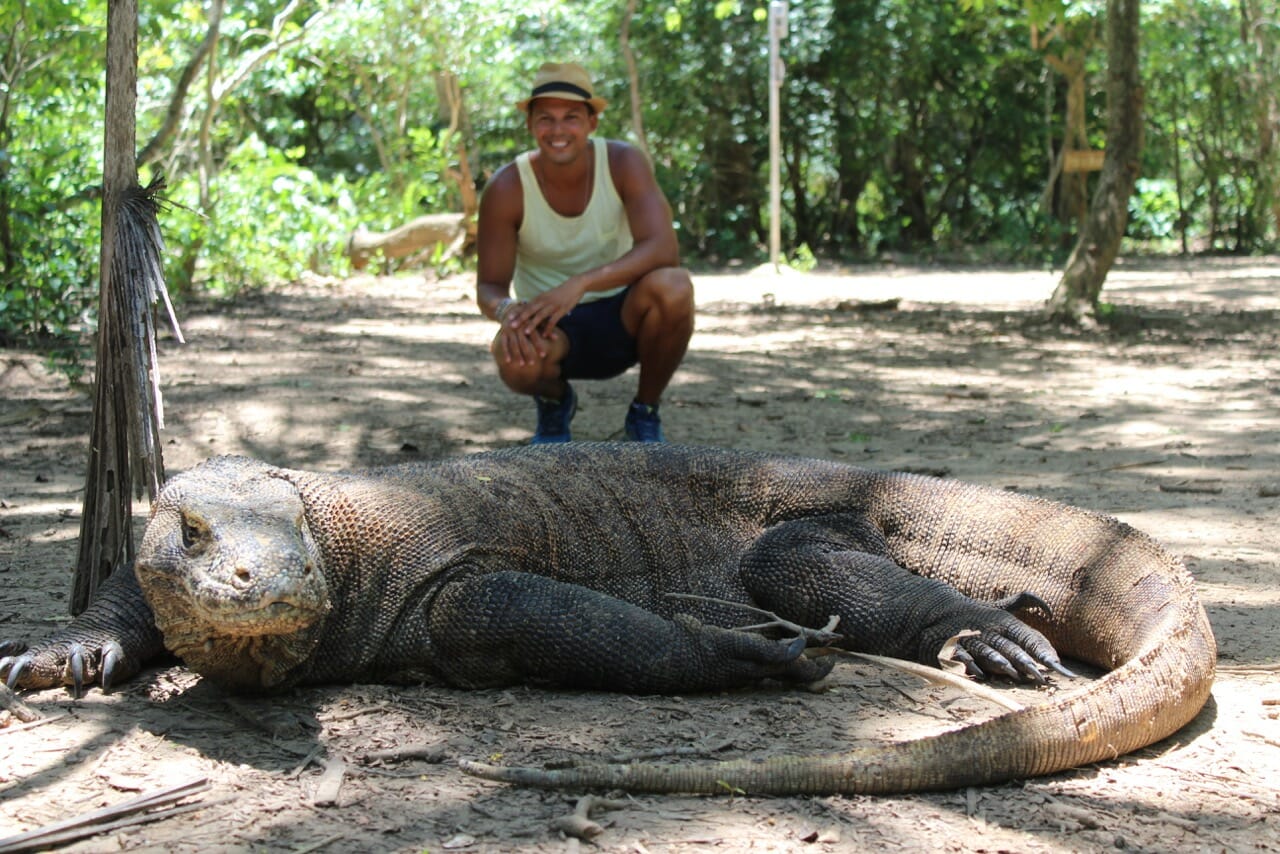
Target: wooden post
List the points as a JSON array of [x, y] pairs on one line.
[[777, 32]]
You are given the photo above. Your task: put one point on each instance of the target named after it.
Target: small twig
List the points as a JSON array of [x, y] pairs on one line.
[[1136, 465], [1250, 669], [932, 674], [108, 819], [1195, 488], [32, 725], [316, 846], [334, 717], [642, 755], [1264, 739], [306, 760], [823, 636]]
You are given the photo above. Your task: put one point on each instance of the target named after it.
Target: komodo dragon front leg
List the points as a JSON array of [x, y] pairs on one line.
[[508, 627], [808, 570], [108, 643]]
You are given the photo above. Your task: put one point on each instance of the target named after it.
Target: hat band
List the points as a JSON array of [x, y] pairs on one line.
[[547, 88]]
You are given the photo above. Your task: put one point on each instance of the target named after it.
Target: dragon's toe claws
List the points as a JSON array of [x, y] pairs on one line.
[[1061, 670], [76, 666], [113, 662], [9, 649], [1024, 601], [18, 665]]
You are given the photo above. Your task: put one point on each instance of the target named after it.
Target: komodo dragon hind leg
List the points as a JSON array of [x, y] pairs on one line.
[[508, 627], [809, 569]]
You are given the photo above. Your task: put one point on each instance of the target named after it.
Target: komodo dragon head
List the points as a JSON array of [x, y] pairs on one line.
[[233, 574]]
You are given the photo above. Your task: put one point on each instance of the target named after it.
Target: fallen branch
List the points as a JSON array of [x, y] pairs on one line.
[[10, 703], [826, 636], [109, 819]]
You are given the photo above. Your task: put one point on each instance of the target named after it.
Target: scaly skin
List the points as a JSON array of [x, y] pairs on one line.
[[557, 565]]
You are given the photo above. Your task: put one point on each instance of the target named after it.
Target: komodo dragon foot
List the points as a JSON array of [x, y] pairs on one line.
[[64, 663], [1017, 652], [106, 645]]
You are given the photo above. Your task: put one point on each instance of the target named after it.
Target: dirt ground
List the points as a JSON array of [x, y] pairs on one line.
[[1168, 418]]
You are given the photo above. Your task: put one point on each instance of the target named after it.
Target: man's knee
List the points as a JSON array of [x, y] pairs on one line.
[[665, 294], [672, 287]]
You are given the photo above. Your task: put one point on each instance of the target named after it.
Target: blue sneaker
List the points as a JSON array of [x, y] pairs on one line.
[[643, 423], [554, 417]]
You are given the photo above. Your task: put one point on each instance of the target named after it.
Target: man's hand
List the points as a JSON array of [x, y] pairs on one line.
[[539, 316], [517, 347]]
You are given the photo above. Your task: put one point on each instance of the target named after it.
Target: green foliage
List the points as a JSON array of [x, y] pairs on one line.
[[802, 260], [50, 138], [273, 220], [1153, 211], [917, 127], [52, 309]]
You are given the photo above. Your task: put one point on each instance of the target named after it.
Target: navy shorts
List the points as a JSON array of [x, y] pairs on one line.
[[599, 346]]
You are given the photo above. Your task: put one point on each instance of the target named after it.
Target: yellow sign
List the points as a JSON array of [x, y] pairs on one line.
[[1083, 160]]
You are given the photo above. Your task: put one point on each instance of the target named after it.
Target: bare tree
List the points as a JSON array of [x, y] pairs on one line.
[[1076, 297], [624, 39], [124, 448]]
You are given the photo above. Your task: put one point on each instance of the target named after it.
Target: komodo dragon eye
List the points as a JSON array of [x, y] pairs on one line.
[[192, 532]]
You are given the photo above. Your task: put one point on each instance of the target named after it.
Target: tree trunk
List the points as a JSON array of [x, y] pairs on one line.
[[1076, 297], [124, 448], [1258, 34], [624, 40]]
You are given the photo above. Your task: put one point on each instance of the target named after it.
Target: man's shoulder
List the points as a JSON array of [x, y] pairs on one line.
[[503, 196], [626, 161], [504, 183], [508, 175], [618, 148]]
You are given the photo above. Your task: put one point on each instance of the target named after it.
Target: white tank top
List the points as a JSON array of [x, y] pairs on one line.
[[550, 247]]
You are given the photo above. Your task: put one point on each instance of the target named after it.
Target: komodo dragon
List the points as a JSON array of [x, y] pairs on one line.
[[557, 565]]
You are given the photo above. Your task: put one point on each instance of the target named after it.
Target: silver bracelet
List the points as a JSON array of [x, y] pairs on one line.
[[504, 305]]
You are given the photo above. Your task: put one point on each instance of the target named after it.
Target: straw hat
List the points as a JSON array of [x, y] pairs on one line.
[[567, 80]]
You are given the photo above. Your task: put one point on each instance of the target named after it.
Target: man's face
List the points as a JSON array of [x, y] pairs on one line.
[[561, 128]]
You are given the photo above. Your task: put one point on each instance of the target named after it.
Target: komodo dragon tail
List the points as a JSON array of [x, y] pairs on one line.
[[1119, 602]]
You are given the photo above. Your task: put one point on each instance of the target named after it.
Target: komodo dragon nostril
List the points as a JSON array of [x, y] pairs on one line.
[[243, 575]]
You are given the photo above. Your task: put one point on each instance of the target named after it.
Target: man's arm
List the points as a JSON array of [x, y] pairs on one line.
[[501, 208]]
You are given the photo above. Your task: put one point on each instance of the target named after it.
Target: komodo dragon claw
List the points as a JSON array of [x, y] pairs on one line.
[[1018, 653], [1024, 601], [14, 665], [1028, 601]]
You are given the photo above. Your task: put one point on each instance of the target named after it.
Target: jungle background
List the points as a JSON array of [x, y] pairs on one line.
[[940, 131]]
